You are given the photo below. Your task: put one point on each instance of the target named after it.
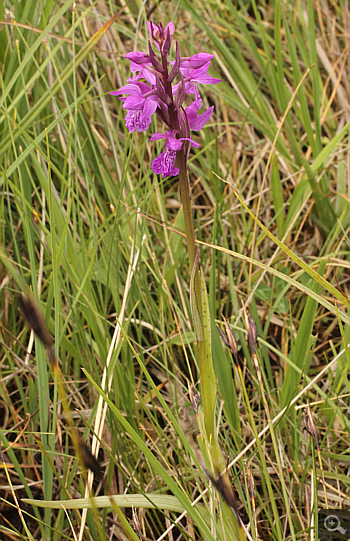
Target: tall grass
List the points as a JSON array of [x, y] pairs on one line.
[[99, 240]]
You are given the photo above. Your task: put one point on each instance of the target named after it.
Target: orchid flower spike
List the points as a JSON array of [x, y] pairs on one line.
[[151, 90]]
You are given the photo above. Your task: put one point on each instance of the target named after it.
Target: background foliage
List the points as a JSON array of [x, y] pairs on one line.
[[97, 237]]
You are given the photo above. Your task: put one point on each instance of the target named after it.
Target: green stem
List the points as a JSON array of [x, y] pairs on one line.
[[181, 163], [201, 322], [205, 363], [186, 205]]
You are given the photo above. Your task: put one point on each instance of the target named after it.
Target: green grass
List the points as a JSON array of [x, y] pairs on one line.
[[99, 240]]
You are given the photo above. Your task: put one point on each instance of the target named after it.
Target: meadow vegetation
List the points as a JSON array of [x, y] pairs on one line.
[[98, 239]]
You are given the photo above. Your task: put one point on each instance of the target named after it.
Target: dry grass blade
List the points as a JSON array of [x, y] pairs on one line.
[[102, 407], [136, 523]]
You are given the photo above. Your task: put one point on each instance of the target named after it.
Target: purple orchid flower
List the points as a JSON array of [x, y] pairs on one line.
[[141, 103], [164, 164], [196, 122], [159, 95], [141, 65], [194, 76]]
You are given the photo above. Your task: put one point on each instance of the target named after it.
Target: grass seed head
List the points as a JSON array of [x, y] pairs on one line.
[[310, 425], [229, 340], [222, 485], [194, 397], [35, 320], [251, 328], [85, 456]]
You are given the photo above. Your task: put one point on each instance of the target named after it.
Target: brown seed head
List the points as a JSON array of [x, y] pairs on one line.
[[223, 486], [310, 425], [85, 456], [229, 340], [232, 341], [194, 397], [223, 336], [252, 330], [35, 320]]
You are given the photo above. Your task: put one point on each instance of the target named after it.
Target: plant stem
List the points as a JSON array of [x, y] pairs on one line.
[[206, 372], [186, 205]]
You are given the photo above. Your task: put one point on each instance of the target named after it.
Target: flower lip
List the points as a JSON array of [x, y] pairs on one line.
[[135, 120], [164, 164]]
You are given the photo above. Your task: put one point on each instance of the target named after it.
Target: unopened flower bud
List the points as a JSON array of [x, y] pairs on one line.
[[153, 59]]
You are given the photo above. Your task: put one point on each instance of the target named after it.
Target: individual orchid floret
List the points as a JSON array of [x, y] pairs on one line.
[[141, 103], [194, 76], [197, 75], [164, 164], [138, 94], [172, 142], [141, 66], [195, 61]]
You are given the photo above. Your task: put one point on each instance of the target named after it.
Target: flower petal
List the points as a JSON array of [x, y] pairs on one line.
[[173, 144], [197, 122], [138, 58], [170, 27], [193, 143], [156, 136], [206, 80], [134, 102], [195, 61], [149, 108]]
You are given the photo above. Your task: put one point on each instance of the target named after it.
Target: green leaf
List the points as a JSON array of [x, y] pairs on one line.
[[150, 501]]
